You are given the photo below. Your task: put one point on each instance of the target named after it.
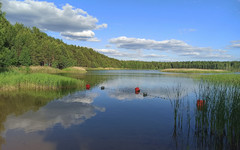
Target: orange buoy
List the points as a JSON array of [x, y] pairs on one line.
[[87, 86]]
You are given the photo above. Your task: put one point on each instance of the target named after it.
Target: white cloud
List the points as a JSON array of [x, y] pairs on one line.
[[191, 54], [80, 36], [113, 52], [235, 44], [137, 43], [173, 46], [153, 56], [47, 16], [133, 56]]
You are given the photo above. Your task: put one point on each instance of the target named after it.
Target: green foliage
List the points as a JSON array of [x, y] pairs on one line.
[[230, 66], [25, 58]]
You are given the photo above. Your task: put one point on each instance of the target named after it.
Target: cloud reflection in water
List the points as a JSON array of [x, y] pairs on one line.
[[70, 110]]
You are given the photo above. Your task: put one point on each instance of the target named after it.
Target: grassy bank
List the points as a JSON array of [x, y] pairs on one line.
[[38, 81], [193, 70], [74, 70], [100, 68], [43, 69]]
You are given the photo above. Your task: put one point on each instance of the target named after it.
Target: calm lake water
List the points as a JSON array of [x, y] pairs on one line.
[[115, 118]]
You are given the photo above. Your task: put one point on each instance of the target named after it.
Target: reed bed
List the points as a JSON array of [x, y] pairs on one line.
[[229, 79], [215, 124], [16, 80], [218, 121], [75, 70]]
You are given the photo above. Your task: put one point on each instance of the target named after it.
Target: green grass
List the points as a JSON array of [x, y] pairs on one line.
[[15, 80], [43, 69], [193, 70], [233, 79], [219, 118], [74, 70]]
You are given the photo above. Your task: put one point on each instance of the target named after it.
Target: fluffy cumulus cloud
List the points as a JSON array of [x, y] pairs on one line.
[[114, 53], [81, 36], [132, 55], [173, 46], [72, 23]]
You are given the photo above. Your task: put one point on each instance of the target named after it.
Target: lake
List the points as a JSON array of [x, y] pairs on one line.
[[171, 111]]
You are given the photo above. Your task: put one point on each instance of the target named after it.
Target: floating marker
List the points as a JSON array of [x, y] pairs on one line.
[[137, 92], [144, 94], [87, 86], [102, 87], [137, 89], [200, 104]]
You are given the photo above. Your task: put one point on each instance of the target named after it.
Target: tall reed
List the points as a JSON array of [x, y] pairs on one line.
[[218, 122]]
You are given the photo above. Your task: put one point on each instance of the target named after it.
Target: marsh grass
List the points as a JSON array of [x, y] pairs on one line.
[[193, 70], [39, 81], [75, 70], [218, 121], [230, 79], [43, 69], [213, 126]]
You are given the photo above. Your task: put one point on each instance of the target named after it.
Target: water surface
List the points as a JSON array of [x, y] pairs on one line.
[[113, 118]]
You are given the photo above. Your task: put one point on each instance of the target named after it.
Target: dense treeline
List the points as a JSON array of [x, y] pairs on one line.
[[226, 65], [23, 46]]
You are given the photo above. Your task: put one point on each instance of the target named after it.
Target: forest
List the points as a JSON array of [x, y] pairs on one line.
[[25, 46]]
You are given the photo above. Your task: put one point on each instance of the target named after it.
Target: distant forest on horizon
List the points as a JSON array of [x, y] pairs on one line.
[[24, 46]]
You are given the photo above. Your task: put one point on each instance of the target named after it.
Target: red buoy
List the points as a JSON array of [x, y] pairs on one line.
[[137, 89], [87, 86], [137, 92], [200, 104]]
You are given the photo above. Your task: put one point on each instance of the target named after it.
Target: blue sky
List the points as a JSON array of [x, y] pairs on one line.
[[149, 30]]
